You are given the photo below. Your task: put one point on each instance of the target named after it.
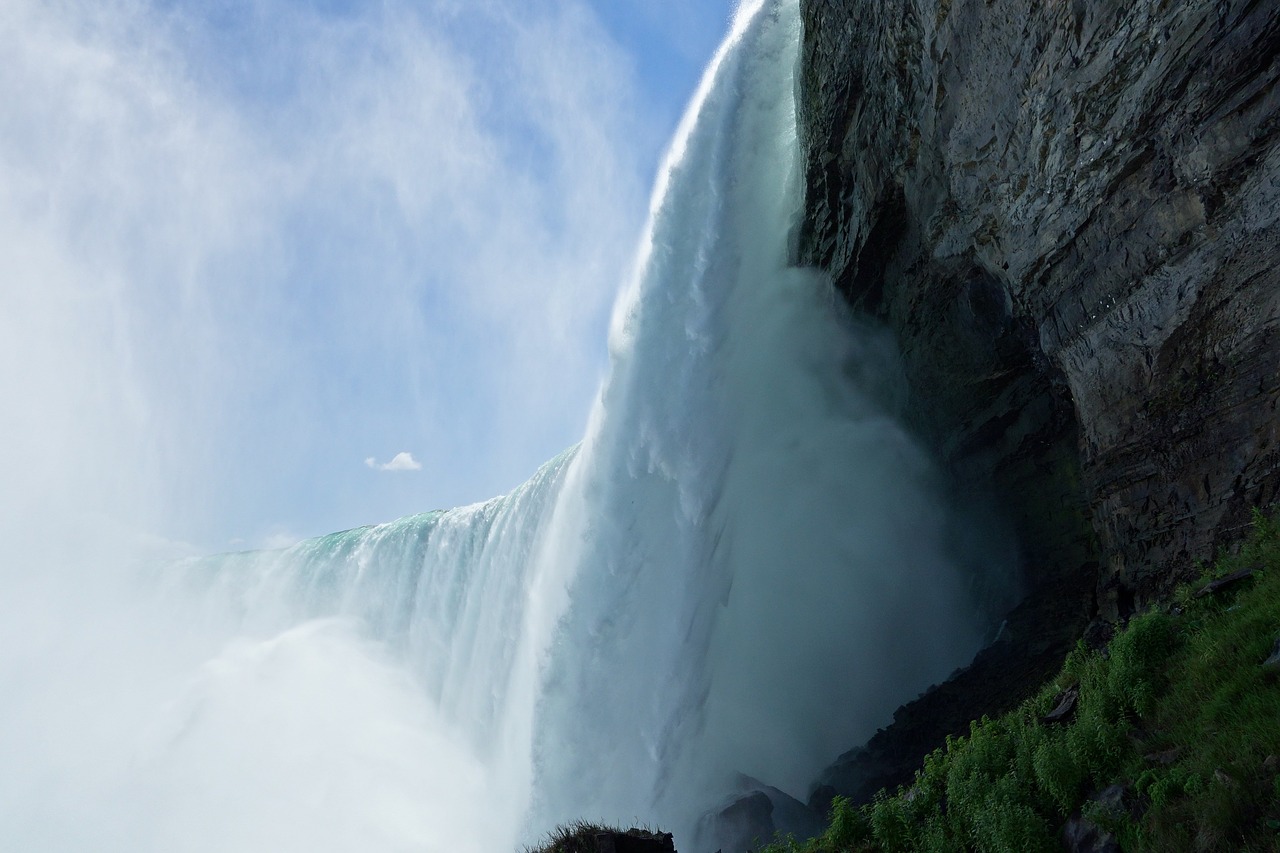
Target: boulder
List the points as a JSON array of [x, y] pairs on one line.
[[1272, 663], [753, 816], [1065, 708]]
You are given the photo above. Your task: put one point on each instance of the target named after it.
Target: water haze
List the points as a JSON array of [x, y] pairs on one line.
[[743, 568]]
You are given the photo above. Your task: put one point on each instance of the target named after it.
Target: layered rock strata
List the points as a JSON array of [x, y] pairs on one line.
[[1069, 211]]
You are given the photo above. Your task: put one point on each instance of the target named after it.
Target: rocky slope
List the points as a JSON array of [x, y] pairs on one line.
[[1070, 213]]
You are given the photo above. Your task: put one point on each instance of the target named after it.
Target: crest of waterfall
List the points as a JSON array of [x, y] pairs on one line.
[[742, 569]]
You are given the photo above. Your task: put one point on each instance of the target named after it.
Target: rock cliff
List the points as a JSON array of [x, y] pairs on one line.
[[1069, 211]]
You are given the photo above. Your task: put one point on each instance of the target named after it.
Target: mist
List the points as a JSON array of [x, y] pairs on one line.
[[255, 244], [249, 246], [365, 271]]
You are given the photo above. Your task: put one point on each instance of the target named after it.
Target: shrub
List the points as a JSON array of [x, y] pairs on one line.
[[1186, 681]]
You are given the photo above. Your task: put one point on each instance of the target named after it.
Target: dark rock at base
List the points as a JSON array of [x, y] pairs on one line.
[[754, 816], [581, 837], [793, 817], [745, 823], [634, 841]]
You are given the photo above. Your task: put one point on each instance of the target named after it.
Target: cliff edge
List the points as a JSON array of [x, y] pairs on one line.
[[1069, 212]]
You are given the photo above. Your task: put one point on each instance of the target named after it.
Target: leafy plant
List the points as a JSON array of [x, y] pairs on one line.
[[1177, 709]]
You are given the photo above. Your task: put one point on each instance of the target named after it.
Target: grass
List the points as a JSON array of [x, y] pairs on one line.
[[581, 837], [1177, 710]]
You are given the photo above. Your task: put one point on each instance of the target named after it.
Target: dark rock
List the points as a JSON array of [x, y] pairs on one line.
[[742, 825], [1069, 213], [1223, 582], [753, 817], [793, 817], [634, 841], [1065, 707], [588, 838], [1272, 663]]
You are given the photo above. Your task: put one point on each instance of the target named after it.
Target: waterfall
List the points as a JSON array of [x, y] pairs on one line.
[[743, 568], [760, 568]]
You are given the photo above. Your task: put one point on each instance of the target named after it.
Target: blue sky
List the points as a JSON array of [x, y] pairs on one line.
[[259, 249]]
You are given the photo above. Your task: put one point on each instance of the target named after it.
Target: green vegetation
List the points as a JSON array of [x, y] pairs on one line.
[[1177, 709], [582, 837]]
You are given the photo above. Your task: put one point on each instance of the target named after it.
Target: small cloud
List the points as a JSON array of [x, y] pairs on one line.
[[400, 462]]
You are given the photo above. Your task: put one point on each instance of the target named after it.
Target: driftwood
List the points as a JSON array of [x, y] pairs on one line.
[[1221, 583]]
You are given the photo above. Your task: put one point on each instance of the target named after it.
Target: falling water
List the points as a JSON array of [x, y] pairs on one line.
[[742, 569]]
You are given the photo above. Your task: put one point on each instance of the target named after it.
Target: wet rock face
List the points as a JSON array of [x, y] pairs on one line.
[[1070, 212], [753, 816]]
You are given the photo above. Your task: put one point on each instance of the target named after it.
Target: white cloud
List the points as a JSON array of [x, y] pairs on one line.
[[403, 461]]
